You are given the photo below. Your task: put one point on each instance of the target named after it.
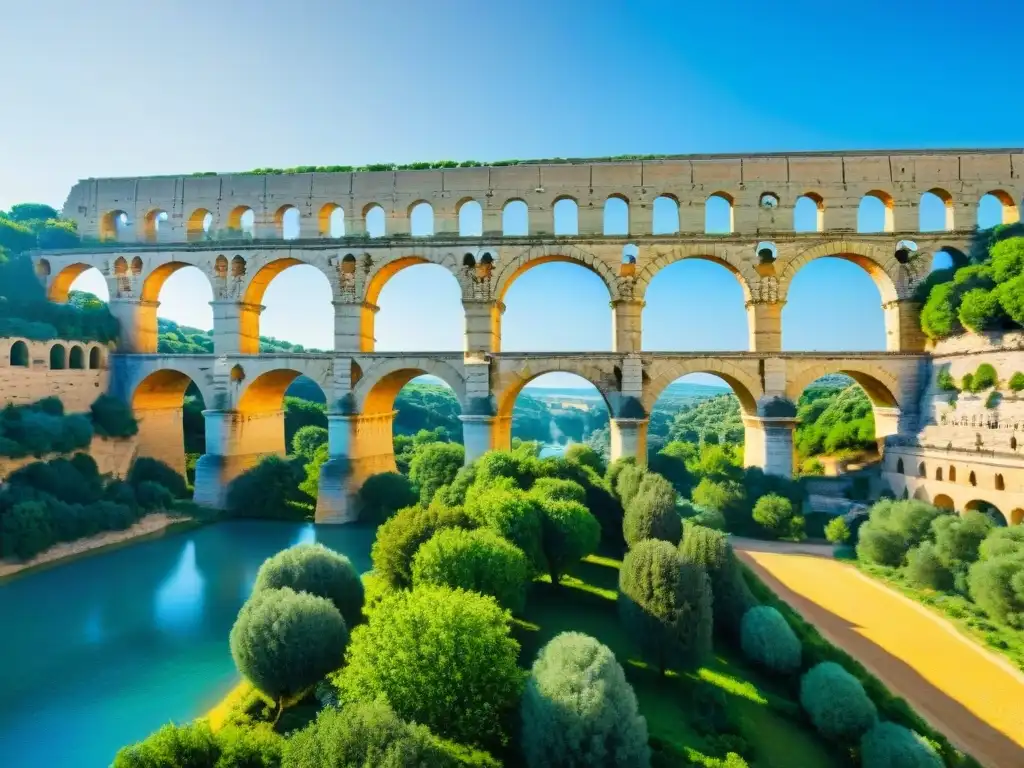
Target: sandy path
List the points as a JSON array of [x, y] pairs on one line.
[[971, 695], [151, 523]]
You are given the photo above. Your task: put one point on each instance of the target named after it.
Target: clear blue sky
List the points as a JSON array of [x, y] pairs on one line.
[[122, 88]]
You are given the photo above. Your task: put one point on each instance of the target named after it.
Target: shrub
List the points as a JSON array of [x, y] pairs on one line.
[[945, 381], [307, 439], [627, 483], [1016, 383], [145, 468], [400, 537], [912, 519], [967, 382], [265, 490], [888, 745], [985, 377], [992, 400], [384, 494], [724, 496], [284, 642], [710, 549], [477, 561], [709, 518], [569, 533], [25, 530], [317, 570], [195, 745], [1002, 541], [938, 315], [151, 496], [1011, 298], [559, 490], [1007, 259], [434, 465], [837, 531], [980, 311], [836, 702], [925, 568], [513, 514], [768, 640], [665, 602], [651, 514], [579, 710], [880, 545], [615, 469], [997, 586], [456, 645], [112, 417], [958, 537], [583, 454], [774, 513]]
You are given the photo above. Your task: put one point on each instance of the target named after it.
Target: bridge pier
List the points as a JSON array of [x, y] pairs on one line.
[[359, 446], [235, 441], [137, 319], [627, 325], [903, 326], [483, 326], [764, 322], [477, 435], [768, 444], [629, 438], [353, 326], [236, 327], [162, 436]]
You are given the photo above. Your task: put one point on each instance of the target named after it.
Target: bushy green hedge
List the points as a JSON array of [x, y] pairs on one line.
[[768, 640], [434, 466], [513, 514], [399, 538], [268, 490], [925, 568], [317, 570], [384, 494], [997, 585], [651, 512], [710, 549], [146, 469], [568, 534], [836, 703], [111, 417], [888, 745], [42, 428], [195, 745]]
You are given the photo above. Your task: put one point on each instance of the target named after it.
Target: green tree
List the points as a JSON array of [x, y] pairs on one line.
[[384, 494], [724, 496], [440, 657], [939, 317], [665, 602], [267, 490], [583, 454], [836, 703], [1016, 383], [569, 533], [284, 642], [1011, 298], [307, 439], [556, 489], [401, 536], [774, 513], [997, 586], [889, 745], [317, 570], [152, 470], [111, 417], [925, 568], [837, 531], [768, 640], [1002, 541], [477, 561], [710, 549], [435, 465], [579, 710], [958, 537], [985, 377], [980, 310], [1007, 259], [651, 513], [627, 483], [513, 514]]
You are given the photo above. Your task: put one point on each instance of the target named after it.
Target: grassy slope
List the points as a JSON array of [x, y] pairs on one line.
[[768, 718]]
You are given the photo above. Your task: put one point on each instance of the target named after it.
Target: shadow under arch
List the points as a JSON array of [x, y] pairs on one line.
[[158, 402], [942, 501], [989, 509]]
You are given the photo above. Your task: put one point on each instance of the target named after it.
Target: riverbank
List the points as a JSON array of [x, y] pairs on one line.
[[216, 716], [147, 526]]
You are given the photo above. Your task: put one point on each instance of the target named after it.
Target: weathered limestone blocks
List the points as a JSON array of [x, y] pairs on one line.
[[235, 442]]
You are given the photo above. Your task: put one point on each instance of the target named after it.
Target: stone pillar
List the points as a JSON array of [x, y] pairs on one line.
[[903, 326], [590, 219], [629, 438], [627, 325], [137, 318], [501, 433], [768, 444], [358, 446], [477, 436], [234, 442], [764, 324], [162, 436], [483, 326], [353, 326], [236, 327], [493, 222]]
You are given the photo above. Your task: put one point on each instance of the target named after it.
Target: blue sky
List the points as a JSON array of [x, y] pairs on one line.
[[118, 87]]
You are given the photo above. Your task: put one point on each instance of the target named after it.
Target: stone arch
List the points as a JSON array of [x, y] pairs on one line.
[[900, 470], [878, 383], [60, 284], [952, 473], [152, 222], [942, 501], [1000, 483], [258, 281], [470, 215], [921, 494], [112, 224], [894, 280], [508, 209], [76, 358], [747, 388], [281, 215], [945, 199], [264, 393], [615, 207], [938, 474], [370, 227], [716, 199], [565, 215], [380, 382], [198, 225], [665, 208], [972, 479], [1010, 211], [235, 223], [743, 271], [156, 401], [326, 220], [888, 206], [987, 508], [513, 383], [810, 199], [58, 357], [546, 254], [922, 470], [19, 355], [421, 213], [95, 357], [1017, 516]]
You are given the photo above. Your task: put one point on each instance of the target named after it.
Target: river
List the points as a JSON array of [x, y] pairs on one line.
[[97, 652]]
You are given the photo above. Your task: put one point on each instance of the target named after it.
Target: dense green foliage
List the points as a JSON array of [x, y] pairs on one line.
[[579, 710], [997, 585], [478, 561], [401, 536], [196, 746], [837, 531], [435, 465], [568, 533], [651, 513], [384, 494], [925, 569], [111, 417], [888, 745], [774, 514], [665, 602], [317, 570], [307, 440], [146, 469], [893, 528], [176, 339], [284, 642], [710, 549], [834, 419], [42, 428], [768, 640], [267, 490], [836, 703], [456, 645], [513, 514]]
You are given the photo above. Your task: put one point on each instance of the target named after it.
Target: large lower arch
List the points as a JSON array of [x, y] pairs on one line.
[[157, 401], [60, 283], [660, 259], [988, 508], [254, 317], [145, 325]]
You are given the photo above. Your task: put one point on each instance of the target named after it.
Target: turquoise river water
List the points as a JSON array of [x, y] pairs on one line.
[[100, 651]]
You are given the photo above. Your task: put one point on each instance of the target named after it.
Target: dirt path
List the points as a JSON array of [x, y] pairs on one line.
[[967, 693]]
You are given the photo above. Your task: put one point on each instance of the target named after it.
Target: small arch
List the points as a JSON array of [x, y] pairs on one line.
[[630, 253], [471, 218], [515, 219], [972, 478], [566, 216], [935, 211], [718, 214], [875, 213], [331, 221], [348, 264], [468, 260], [938, 473], [242, 221], [952, 474], [43, 269], [198, 225], [921, 494], [987, 508], [809, 213], [616, 215], [921, 470], [769, 201], [375, 221], [899, 467], [997, 207], [152, 224], [942, 501], [61, 283], [1000, 482], [237, 373], [137, 266], [665, 215], [95, 358], [421, 219], [19, 354], [1013, 443], [767, 253], [76, 358], [288, 222], [58, 357], [114, 225], [237, 266], [1017, 516], [487, 258]]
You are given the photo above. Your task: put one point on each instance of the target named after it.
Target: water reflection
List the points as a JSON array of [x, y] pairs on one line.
[[105, 649]]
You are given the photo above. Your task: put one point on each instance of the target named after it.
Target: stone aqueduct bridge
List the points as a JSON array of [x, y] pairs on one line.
[[243, 390]]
